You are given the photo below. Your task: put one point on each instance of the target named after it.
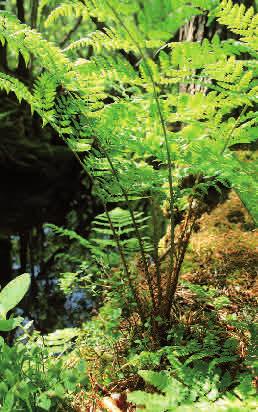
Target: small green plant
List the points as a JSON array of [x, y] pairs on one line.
[[100, 341], [10, 296], [199, 377], [199, 392], [208, 295], [32, 380]]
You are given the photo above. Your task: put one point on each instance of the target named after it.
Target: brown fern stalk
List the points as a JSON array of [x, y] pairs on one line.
[[162, 121], [137, 232], [156, 250], [183, 243]]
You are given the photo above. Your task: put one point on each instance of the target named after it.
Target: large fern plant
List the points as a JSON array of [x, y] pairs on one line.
[[116, 97]]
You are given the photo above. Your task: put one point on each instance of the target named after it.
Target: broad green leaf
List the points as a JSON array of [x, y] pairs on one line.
[[8, 402], [10, 324], [13, 293], [44, 402]]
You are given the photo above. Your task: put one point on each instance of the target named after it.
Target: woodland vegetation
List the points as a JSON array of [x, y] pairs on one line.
[[128, 205]]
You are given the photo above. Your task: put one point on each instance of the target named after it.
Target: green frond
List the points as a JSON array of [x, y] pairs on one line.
[[75, 8], [71, 234], [101, 41], [11, 84], [240, 20], [44, 95], [242, 178], [101, 71], [124, 228], [29, 42], [60, 340], [198, 54]]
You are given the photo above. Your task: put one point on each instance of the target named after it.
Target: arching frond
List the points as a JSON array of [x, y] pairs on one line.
[[29, 42], [75, 8], [11, 84]]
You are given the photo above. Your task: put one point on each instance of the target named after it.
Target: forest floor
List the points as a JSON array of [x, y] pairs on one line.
[[223, 254], [219, 275]]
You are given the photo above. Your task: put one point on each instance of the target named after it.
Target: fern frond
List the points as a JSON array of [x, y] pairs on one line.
[[161, 380], [240, 20], [123, 225], [44, 96], [68, 9], [61, 340], [243, 180], [198, 54], [103, 40], [28, 41], [11, 84], [71, 234]]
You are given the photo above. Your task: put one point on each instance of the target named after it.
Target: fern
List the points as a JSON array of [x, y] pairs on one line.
[[121, 118], [203, 383], [59, 341], [29, 42], [71, 234], [102, 236]]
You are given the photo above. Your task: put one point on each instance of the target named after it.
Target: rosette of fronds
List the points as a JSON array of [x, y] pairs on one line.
[[116, 98]]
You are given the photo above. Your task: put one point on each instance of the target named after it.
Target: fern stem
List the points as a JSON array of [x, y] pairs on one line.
[[137, 232], [232, 129], [185, 243], [182, 246], [162, 121], [156, 250]]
